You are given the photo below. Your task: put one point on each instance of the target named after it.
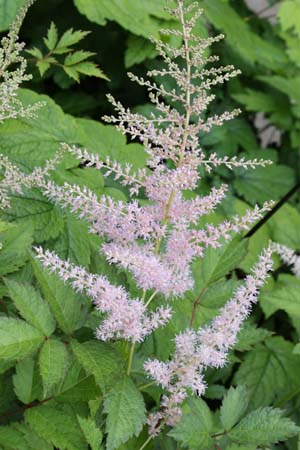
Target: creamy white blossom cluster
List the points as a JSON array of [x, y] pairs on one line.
[[13, 72]]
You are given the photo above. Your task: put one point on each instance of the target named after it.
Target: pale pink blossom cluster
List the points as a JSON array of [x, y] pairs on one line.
[[288, 256], [126, 318], [206, 347], [156, 235]]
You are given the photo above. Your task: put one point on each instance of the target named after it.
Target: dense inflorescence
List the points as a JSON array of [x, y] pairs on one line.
[[158, 239]]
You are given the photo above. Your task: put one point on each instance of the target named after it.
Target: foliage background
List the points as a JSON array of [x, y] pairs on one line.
[[64, 378]]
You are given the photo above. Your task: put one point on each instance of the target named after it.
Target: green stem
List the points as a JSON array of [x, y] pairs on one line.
[[145, 386], [145, 443], [130, 358]]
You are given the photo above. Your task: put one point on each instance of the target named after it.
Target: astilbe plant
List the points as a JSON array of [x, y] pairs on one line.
[[157, 240]]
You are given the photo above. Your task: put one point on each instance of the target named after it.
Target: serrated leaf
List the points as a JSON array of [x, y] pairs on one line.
[[289, 15], [15, 242], [31, 306], [43, 66], [249, 336], [136, 17], [35, 211], [285, 295], [276, 371], [193, 431], [259, 185], [92, 433], [26, 381], [98, 359], [234, 406], [18, 339], [77, 57], [57, 424], [65, 304], [219, 262], [36, 52], [264, 426], [138, 49], [8, 12], [287, 218], [52, 37], [87, 68], [53, 363], [74, 242], [71, 37], [125, 409], [77, 385], [19, 436]]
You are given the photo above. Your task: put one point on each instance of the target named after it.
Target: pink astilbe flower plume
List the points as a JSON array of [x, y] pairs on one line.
[[206, 347], [158, 239]]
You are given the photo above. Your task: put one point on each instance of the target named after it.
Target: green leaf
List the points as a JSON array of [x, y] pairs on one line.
[[71, 37], [19, 436], [287, 218], [106, 140], [249, 336], [138, 49], [193, 431], [136, 17], [264, 183], [285, 295], [53, 363], [27, 383], [31, 306], [234, 406], [91, 432], [98, 359], [65, 304], [18, 339], [52, 37], [125, 409], [8, 12], [36, 52], [43, 66], [276, 371], [77, 57], [74, 242], [289, 15], [77, 385], [251, 47], [16, 242], [264, 426], [35, 211], [58, 425], [87, 68], [219, 262]]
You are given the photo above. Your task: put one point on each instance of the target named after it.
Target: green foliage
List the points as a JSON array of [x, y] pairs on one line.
[[262, 427], [125, 409], [31, 306], [75, 62], [53, 363], [98, 359], [195, 428], [18, 339], [234, 406], [59, 387]]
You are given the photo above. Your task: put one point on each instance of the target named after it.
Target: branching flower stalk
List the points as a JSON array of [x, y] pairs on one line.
[[158, 240]]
